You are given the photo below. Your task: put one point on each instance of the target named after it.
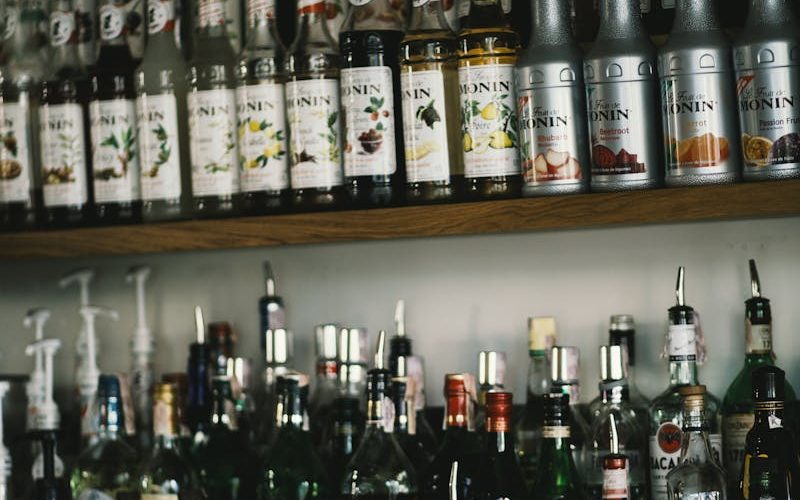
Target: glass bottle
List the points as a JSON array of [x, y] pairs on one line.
[[616, 474], [87, 31], [108, 467], [313, 112], [278, 358], [622, 93], [341, 442], [49, 486], [271, 308], [63, 126], [429, 85], [370, 88], [112, 114], [487, 53], [737, 406], [491, 377], [698, 475], [162, 117], [552, 101], [261, 102], [557, 476], [622, 331], [198, 403], [564, 377], [405, 424], [212, 115], [326, 388], [701, 135], [503, 476], [181, 382]]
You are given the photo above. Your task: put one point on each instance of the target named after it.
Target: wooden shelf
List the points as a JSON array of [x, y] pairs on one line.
[[739, 201]]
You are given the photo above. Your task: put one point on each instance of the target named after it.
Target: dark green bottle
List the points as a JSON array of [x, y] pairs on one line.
[[502, 477], [557, 477]]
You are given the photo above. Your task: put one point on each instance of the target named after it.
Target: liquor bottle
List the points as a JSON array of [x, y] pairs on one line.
[[503, 475], [167, 473], [353, 359], [63, 130], [292, 470], [326, 388], [261, 99], [370, 89], [403, 392], [272, 310], [766, 88], [198, 403], [621, 93], [429, 85], [487, 53], [771, 468], [698, 475], [341, 443], [737, 406], [557, 476], [162, 117], [491, 377], [181, 382], [701, 135], [616, 474], [221, 342], [564, 377], [278, 357], [379, 468], [313, 112], [212, 115], [552, 103], [666, 414], [108, 467], [49, 486], [240, 372], [528, 431]]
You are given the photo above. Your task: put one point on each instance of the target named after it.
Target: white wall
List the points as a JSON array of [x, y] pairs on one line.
[[463, 294]]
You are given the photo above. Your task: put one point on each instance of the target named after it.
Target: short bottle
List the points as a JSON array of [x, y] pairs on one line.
[[557, 477], [503, 476]]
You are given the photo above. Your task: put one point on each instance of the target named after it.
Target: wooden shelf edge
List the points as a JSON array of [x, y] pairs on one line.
[[724, 202]]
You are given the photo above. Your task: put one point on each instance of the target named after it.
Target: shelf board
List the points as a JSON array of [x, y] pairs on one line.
[[725, 202]]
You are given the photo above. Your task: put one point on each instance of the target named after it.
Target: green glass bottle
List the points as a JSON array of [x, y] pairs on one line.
[[502, 476], [557, 477]]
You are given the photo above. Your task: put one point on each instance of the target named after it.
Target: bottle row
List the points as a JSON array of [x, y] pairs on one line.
[[394, 112]]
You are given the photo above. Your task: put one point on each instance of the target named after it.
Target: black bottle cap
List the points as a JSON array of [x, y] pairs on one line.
[[108, 387], [757, 308], [556, 408], [768, 384]]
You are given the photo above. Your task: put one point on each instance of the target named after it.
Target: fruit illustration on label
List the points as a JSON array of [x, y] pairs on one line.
[[704, 150], [428, 114], [496, 115], [9, 168], [371, 140], [552, 166], [273, 144], [756, 150], [70, 151]]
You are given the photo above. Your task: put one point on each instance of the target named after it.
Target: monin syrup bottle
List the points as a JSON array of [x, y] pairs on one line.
[[768, 82], [697, 99], [622, 95]]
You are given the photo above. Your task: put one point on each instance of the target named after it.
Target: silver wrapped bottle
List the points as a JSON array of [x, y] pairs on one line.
[[698, 102], [622, 99], [552, 103], [767, 61]]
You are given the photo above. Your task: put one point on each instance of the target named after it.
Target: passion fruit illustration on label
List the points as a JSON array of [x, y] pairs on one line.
[[705, 150], [552, 166], [495, 112], [756, 150], [606, 162]]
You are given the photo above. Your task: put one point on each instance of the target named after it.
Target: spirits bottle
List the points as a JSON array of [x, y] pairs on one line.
[[261, 101], [564, 377], [616, 474], [487, 53], [698, 475], [766, 88], [557, 476], [198, 404], [503, 476], [162, 117], [181, 382], [666, 414], [429, 85], [49, 486], [622, 92], [341, 442], [313, 112], [272, 310], [353, 359], [701, 135], [326, 388], [278, 358], [212, 115], [403, 392], [63, 130], [552, 103], [491, 377], [771, 468], [737, 406], [108, 467]]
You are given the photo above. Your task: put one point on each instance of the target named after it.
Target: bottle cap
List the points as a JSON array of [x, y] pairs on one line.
[[326, 340], [622, 323], [240, 369], [680, 313], [612, 363], [498, 411], [353, 346], [541, 333], [279, 346], [491, 368], [769, 384], [269, 280], [108, 386], [693, 396], [565, 367]]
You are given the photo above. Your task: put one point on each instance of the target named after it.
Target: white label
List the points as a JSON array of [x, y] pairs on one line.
[[112, 21], [160, 15], [705, 495], [260, 9], [554, 432], [115, 153], [158, 496], [359, 2], [63, 154], [682, 343], [94, 495], [212, 121], [615, 483], [735, 428], [262, 137], [758, 338], [62, 27], [15, 154], [665, 454], [489, 120], [425, 126], [367, 101], [463, 8], [212, 13], [157, 117]]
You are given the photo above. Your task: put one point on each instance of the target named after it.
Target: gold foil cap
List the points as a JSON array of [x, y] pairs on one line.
[[541, 333], [693, 396]]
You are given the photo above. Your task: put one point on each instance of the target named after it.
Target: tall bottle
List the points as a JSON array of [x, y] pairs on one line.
[[767, 85], [564, 377], [313, 112], [278, 358], [487, 53], [503, 476], [622, 94], [405, 424], [701, 135], [326, 388], [63, 126], [112, 115], [212, 115], [162, 117], [198, 403], [429, 84], [271, 309], [261, 98], [557, 477]]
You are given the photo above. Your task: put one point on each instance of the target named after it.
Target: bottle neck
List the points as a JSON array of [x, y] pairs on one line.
[[572, 389], [313, 26], [262, 33], [405, 418], [222, 414], [428, 17], [695, 446], [617, 393], [486, 14], [682, 351], [64, 38], [293, 409], [695, 15], [620, 19], [210, 21], [550, 23], [769, 413], [112, 419], [769, 12], [112, 23], [327, 370], [498, 443], [538, 374], [161, 21], [458, 411]]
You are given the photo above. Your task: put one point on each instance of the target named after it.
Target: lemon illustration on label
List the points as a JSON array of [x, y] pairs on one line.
[[254, 126], [489, 112], [467, 143], [499, 139]]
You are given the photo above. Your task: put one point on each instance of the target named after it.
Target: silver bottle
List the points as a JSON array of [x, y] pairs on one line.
[[701, 133], [552, 102], [622, 99], [767, 61]]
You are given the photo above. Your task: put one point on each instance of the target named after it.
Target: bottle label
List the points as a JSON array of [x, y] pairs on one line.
[[162, 419], [258, 10], [367, 101], [158, 496], [548, 136], [735, 428], [112, 22], [262, 137], [615, 483], [555, 432], [758, 338], [682, 343], [212, 120], [157, 116], [63, 154], [62, 28], [489, 120], [425, 126], [358, 3], [94, 495], [315, 147], [665, 454], [211, 13], [10, 17], [309, 6], [115, 153], [160, 16], [15, 154]]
